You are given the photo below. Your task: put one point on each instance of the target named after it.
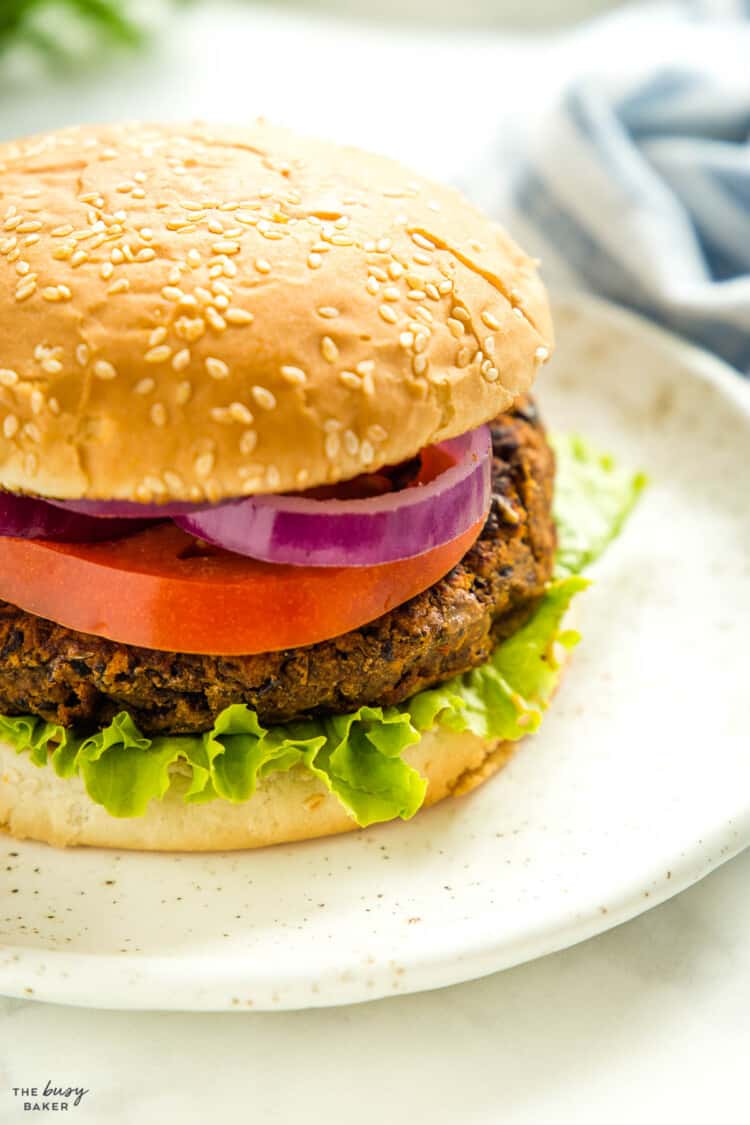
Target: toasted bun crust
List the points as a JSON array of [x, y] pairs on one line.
[[192, 312], [36, 804]]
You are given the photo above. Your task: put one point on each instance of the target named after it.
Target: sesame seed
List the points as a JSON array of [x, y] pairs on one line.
[[53, 406], [273, 477], [366, 453], [10, 426], [424, 314], [79, 258], [158, 414], [406, 339], [395, 270], [62, 232], [226, 247], [262, 265], [464, 357], [432, 291], [194, 258], [181, 360], [221, 288], [391, 293], [216, 321], [8, 244], [445, 287], [351, 443], [31, 431], [419, 364], [82, 354], [8, 377], [240, 413], [329, 349], [190, 329], [104, 370], [117, 256], [332, 445], [388, 314], [144, 386], [120, 286], [158, 355], [455, 327], [490, 320], [30, 464], [371, 285], [383, 245], [183, 392], [23, 292], [314, 261], [542, 354], [145, 255], [376, 432], [51, 366], [217, 368], [174, 480], [203, 464], [239, 316], [421, 341], [294, 375], [350, 379], [489, 345], [417, 295], [328, 312], [490, 373], [51, 293], [248, 442], [22, 268], [517, 312], [172, 293], [264, 398], [422, 259], [29, 226], [377, 273], [460, 313], [366, 366], [420, 240], [158, 336]]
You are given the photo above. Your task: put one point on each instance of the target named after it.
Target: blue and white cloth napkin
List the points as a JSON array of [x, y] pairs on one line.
[[639, 180]]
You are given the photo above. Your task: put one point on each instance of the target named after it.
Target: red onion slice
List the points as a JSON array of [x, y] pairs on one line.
[[23, 517], [301, 531]]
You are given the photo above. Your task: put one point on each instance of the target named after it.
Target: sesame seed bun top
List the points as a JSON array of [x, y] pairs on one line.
[[202, 312]]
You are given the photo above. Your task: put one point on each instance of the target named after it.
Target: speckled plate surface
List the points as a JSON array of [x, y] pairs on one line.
[[637, 786]]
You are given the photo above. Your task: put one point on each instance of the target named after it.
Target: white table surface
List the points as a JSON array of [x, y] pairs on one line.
[[649, 1022]]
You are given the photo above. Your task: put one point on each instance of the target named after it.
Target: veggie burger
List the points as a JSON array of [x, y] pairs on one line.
[[277, 547]]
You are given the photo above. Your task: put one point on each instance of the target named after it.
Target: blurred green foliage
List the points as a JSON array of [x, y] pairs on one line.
[[38, 24]]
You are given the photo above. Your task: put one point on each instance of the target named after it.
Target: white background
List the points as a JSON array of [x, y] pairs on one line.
[[647, 1023]]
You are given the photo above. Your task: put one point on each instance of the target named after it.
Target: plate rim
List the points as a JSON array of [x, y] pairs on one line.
[[78, 979]]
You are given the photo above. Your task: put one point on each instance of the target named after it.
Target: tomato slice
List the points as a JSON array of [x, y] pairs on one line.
[[163, 589]]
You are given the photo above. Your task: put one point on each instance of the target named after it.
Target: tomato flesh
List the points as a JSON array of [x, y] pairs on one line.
[[163, 589]]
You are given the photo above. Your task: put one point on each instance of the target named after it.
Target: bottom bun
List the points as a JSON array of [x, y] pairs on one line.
[[36, 804]]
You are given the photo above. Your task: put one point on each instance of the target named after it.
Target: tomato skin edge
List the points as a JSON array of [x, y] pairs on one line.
[[224, 605]]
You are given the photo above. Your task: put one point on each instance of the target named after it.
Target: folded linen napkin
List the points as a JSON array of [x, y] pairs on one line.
[[639, 179]]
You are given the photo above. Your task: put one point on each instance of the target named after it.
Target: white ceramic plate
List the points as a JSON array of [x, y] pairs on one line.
[[637, 786]]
